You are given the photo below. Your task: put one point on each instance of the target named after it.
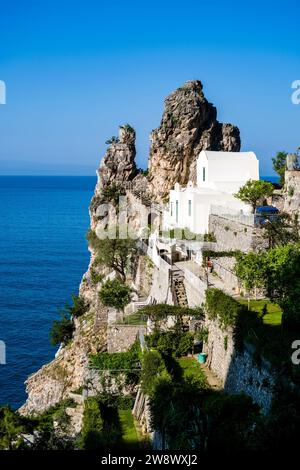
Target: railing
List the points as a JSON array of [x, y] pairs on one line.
[[234, 216]]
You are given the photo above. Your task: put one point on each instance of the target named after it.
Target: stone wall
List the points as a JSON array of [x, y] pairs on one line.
[[141, 411], [224, 267], [161, 290], [245, 375], [121, 337], [195, 289], [291, 192], [144, 275], [238, 371], [234, 235]]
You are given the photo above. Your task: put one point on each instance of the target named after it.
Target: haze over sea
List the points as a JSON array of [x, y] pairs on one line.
[[43, 255]]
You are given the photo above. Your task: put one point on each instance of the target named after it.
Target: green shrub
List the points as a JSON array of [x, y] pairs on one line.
[[115, 294], [96, 278], [153, 370], [62, 330], [185, 345], [209, 237], [167, 343], [121, 361], [80, 306], [232, 418], [223, 307], [172, 342], [11, 425]]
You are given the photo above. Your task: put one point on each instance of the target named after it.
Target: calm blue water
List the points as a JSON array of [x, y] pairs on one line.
[[272, 179], [43, 255]]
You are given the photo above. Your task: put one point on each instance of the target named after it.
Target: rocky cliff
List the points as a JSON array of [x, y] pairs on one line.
[[189, 124], [291, 193], [69, 370]]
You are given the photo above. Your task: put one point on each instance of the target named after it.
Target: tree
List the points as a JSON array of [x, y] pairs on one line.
[[153, 369], [278, 272], [114, 252], [11, 426], [282, 229], [112, 193], [78, 307], [62, 330], [115, 294], [279, 165], [254, 191], [282, 281], [249, 269]]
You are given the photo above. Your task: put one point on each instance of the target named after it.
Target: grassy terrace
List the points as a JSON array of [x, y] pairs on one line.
[[134, 319], [130, 437], [270, 340], [191, 369], [273, 317]]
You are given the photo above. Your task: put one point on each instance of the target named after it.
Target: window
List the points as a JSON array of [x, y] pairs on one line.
[[189, 207], [171, 208], [176, 211], [203, 173]]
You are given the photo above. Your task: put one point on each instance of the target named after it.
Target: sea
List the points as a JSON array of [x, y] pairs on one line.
[[43, 256]]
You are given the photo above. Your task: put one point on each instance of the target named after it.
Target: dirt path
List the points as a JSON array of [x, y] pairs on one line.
[[214, 382]]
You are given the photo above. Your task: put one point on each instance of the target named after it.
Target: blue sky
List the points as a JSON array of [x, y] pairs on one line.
[[74, 71]]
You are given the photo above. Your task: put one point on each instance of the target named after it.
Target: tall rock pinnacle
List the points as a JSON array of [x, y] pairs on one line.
[[118, 164], [189, 124]]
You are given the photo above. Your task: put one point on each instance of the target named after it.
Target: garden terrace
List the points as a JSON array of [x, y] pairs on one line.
[[260, 326]]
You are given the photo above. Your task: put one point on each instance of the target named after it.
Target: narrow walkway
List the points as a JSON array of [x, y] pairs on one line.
[[213, 381]]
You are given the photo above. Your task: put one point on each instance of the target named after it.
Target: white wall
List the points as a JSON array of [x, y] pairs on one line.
[[226, 167], [225, 173]]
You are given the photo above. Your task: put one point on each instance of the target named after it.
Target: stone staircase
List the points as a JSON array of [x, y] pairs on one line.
[[180, 293], [178, 288]]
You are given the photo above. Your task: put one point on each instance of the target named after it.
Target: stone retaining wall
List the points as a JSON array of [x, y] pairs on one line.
[[238, 371], [121, 337], [234, 235]]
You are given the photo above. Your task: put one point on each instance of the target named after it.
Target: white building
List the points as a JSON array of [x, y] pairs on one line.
[[219, 177]]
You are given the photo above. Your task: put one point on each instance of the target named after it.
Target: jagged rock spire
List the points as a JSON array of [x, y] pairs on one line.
[[189, 124]]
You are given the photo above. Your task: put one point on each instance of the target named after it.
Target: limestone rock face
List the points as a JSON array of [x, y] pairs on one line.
[[291, 193], [69, 370], [118, 164], [189, 124]]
